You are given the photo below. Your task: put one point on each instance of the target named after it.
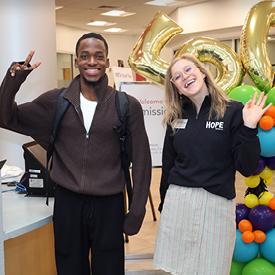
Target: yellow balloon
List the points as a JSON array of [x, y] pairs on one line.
[[252, 181], [253, 44], [228, 63], [268, 181], [265, 197], [145, 58], [266, 173], [251, 200]]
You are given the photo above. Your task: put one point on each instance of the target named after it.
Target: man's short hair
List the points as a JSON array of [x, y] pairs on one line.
[[91, 35]]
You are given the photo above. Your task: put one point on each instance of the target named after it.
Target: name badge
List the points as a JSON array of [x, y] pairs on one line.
[[181, 123]]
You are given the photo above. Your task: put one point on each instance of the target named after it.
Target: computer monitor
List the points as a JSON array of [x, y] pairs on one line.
[[35, 170]]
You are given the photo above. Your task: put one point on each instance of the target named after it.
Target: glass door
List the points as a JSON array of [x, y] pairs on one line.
[[65, 69]]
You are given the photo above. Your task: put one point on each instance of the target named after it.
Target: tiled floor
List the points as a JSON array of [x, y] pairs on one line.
[[144, 241], [140, 248]]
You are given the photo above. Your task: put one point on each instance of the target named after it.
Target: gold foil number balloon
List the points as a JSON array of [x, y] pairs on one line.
[[145, 59], [228, 63], [253, 44]]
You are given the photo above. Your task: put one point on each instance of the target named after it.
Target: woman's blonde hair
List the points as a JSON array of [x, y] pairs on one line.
[[175, 102]]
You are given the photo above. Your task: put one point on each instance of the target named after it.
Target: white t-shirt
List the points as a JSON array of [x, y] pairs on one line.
[[88, 110]]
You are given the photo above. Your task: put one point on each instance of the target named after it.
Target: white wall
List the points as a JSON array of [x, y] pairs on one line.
[[26, 25], [219, 14]]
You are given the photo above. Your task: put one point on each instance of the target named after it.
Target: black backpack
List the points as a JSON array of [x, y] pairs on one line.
[[120, 128]]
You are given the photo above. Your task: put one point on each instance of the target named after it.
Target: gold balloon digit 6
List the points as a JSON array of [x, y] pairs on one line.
[[253, 44]]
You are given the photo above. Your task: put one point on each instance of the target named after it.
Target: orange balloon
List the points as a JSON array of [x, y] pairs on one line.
[[245, 225], [248, 236], [270, 111], [266, 122], [259, 236], [272, 203]]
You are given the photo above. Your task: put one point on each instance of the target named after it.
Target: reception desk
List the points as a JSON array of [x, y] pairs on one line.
[[26, 234]]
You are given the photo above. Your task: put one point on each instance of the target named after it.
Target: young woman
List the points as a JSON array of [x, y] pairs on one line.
[[208, 138]]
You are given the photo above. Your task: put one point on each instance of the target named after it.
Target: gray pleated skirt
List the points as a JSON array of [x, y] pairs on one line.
[[196, 233]]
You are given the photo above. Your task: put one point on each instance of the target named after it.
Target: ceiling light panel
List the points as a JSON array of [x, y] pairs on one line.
[[101, 23], [117, 13], [165, 3], [115, 30]]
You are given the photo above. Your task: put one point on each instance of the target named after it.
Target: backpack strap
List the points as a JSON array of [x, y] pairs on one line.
[[120, 128], [61, 107]]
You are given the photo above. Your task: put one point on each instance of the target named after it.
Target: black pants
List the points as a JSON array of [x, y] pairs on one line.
[[83, 223]]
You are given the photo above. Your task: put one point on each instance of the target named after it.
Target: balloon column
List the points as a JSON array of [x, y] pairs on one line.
[[254, 251], [255, 239]]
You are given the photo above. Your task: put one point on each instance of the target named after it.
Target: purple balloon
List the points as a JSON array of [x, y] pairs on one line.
[[270, 163], [262, 217], [261, 166], [242, 212]]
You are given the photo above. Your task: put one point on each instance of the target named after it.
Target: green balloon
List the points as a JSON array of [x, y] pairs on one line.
[[271, 96], [259, 266], [236, 267], [244, 93]]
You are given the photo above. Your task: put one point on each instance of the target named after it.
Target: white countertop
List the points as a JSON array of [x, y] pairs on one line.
[[22, 214]]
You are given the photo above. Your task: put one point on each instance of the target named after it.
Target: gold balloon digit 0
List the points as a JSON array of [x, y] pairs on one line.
[[253, 44], [228, 63]]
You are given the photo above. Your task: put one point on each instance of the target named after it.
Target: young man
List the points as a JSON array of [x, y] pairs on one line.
[[89, 204]]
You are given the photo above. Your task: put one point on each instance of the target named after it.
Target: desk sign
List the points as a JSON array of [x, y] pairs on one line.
[[122, 75]]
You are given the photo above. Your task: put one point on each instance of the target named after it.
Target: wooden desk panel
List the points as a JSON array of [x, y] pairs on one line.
[[31, 253]]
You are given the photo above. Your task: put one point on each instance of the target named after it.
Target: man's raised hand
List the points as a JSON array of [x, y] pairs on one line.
[[26, 65]]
